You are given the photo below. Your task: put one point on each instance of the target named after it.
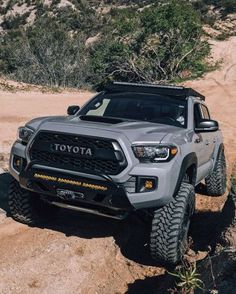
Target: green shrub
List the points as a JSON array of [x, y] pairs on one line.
[[45, 54], [160, 42], [227, 6], [14, 22], [84, 20], [157, 44]]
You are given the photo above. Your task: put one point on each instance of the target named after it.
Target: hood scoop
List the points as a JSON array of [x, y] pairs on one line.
[[102, 119]]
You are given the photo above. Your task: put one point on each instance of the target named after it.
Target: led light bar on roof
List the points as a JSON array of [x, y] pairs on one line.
[[177, 91]]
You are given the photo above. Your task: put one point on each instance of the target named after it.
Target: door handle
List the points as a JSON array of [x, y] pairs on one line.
[[197, 140], [207, 142]]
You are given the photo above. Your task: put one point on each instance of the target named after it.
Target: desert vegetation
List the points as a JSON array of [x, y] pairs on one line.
[[88, 43]]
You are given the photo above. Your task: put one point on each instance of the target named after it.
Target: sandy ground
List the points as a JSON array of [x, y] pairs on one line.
[[219, 87], [17, 108], [79, 253]]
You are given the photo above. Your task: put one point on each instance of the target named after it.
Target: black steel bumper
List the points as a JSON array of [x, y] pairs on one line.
[[76, 190]]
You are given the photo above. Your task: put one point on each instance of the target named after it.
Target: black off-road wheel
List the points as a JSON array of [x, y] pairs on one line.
[[27, 207], [216, 181], [170, 225]]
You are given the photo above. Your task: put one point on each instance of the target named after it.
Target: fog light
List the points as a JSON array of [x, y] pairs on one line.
[[146, 184], [18, 163]]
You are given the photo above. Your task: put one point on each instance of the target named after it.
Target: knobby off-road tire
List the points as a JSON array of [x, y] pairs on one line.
[[27, 207], [170, 225], [216, 181]]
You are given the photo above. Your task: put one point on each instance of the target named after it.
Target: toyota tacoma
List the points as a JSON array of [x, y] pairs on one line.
[[131, 147]]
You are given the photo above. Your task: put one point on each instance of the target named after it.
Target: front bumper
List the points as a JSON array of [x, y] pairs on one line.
[[114, 196], [69, 188]]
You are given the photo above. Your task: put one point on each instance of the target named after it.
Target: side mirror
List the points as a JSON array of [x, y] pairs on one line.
[[73, 109], [207, 125]]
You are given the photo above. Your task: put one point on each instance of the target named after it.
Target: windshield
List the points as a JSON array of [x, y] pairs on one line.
[[139, 107]]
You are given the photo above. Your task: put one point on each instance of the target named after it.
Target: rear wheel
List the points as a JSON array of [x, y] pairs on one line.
[[216, 181], [170, 226], [27, 207]]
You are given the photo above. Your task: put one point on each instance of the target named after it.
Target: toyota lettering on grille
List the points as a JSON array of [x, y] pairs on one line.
[[72, 149]]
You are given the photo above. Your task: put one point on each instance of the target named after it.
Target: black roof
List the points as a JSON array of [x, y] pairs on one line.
[[177, 91]]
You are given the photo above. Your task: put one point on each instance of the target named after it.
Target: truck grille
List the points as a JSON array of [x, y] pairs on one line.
[[103, 161]]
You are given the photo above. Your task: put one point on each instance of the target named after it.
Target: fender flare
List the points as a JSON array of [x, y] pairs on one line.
[[216, 153], [188, 161]]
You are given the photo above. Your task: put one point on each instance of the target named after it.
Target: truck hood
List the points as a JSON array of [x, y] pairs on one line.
[[133, 130]]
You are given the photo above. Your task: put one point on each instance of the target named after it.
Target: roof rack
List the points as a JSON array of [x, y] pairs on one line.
[[177, 91]]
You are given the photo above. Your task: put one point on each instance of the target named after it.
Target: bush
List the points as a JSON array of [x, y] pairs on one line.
[[14, 22], [157, 44], [160, 42], [85, 20], [45, 54], [227, 6]]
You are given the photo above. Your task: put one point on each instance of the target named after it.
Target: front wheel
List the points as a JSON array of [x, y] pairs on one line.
[[170, 226], [27, 207]]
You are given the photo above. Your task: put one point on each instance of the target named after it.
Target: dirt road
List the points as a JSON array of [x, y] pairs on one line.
[[17, 108], [79, 253]]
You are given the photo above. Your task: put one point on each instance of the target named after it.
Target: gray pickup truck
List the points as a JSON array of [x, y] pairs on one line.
[[131, 147]]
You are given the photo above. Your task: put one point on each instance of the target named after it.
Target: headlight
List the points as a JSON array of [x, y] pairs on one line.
[[154, 153], [24, 134]]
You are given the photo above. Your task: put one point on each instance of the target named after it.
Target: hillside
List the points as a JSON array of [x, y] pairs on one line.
[[86, 43]]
